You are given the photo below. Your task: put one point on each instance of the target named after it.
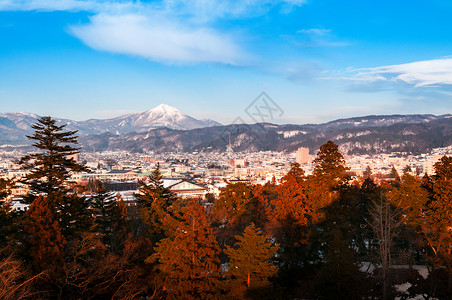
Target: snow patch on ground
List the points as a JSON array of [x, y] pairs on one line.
[[403, 288]]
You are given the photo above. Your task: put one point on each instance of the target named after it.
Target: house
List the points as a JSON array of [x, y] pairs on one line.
[[184, 188]]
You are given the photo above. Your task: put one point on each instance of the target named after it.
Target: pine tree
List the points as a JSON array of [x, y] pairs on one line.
[[340, 277], [4, 189], [438, 217], [154, 200], [329, 173], [367, 173], [330, 164], [7, 217], [110, 217], [43, 235], [234, 209], [394, 174], [50, 169], [412, 199], [250, 266], [291, 201], [189, 259], [290, 218], [49, 172]]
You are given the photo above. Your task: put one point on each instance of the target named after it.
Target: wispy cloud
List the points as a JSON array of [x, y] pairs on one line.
[[47, 5], [427, 73], [167, 31], [317, 37], [207, 8], [158, 39]]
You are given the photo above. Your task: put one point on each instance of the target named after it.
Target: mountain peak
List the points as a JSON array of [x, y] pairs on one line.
[[165, 108]]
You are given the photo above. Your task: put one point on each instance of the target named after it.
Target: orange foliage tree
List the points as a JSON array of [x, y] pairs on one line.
[[329, 173], [43, 234], [234, 210], [188, 260], [250, 265]]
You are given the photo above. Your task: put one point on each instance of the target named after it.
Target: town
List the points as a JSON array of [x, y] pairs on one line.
[[197, 175]]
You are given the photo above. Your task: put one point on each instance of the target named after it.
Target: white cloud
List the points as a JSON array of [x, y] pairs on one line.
[[419, 74], [158, 39], [171, 31]]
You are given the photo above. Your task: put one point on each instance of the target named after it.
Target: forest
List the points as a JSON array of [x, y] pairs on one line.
[[319, 236]]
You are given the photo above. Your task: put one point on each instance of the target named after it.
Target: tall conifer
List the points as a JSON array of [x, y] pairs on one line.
[[189, 260], [250, 265]]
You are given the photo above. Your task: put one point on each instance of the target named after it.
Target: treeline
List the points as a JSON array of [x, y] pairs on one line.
[[322, 236]]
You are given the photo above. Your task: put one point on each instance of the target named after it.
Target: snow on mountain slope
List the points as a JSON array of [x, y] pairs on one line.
[[160, 116], [14, 126]]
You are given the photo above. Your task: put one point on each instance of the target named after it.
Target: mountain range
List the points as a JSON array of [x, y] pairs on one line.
[[14, 126], [166, 129]]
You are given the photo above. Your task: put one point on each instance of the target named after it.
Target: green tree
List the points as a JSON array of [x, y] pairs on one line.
[[50, 169], [189, 260], [49, 172], [250, 264], [110, 217]]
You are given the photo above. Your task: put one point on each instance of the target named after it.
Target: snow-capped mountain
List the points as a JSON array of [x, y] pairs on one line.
[[164, 116], [160, 116], [14, 126]]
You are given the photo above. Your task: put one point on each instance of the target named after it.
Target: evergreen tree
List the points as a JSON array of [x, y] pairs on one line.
[[291, 201], [250, 265], [367, 173], [7, 217], [154, 200], [290, 218], [412, 198], [407, 169], [394, 174], [49, 172], [50, 169], [234, 209], [189, 259], [329, 173], [4, 189], [330, 164], [438, 217], [43, 235], [340, 277], [110, 217]]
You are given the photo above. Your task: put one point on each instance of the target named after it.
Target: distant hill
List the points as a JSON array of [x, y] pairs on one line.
[[373, 134], [14, 126], [165, 128]]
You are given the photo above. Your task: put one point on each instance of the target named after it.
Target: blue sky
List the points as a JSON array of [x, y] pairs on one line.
[[317, 59]]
